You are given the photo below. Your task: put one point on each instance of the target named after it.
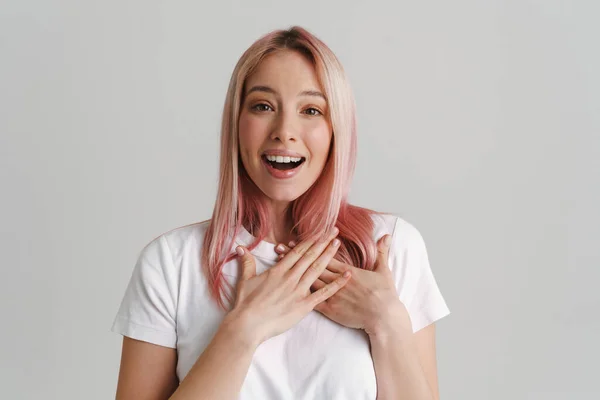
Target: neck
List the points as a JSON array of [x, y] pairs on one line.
[[281, 223], [280, 228]]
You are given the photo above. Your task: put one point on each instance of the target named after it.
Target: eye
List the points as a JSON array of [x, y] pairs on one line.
[[260, 107], [313, 111]]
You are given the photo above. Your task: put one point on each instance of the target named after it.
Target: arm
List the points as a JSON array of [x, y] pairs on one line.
[[144, 380], [148, 371], [278, 297], [221, 369], [405, 363]]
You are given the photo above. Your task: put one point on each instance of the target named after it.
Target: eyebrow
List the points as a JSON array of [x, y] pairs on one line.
[[267, 89]]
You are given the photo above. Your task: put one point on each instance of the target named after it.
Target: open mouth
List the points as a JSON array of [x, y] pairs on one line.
[[285, 165]]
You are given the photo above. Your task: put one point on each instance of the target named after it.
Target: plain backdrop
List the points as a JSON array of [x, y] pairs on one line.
[[479, 123]]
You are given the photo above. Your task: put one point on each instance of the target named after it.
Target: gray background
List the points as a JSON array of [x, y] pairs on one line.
[[479, 122]]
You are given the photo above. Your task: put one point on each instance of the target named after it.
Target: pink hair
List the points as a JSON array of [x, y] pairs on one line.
[[324, 205]]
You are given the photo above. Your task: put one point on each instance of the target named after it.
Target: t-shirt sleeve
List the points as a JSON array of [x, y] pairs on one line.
[[148, 308], [416, 285]]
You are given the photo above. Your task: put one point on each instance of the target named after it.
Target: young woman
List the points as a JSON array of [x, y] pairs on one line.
[[345, 311]]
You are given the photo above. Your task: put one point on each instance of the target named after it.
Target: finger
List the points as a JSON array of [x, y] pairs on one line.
[[328, 290], [327, 276], [288, 260], [307, 250], [337, 266], [281, 249], [314, 271], [383, 250], [302, 257], [318, 284], [248, 264]]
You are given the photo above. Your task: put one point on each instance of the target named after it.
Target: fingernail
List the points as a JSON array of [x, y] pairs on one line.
[[336, 242], [346, 274], [336, 230], [280, 247], [292, 243], [387, 240], [239, 250]]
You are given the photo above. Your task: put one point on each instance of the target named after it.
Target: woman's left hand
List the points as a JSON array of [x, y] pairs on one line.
[[369, 300]]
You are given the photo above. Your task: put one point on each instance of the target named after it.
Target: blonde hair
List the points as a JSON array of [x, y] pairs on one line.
[[324, 205]]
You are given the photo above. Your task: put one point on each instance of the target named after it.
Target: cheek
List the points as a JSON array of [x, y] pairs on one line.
[[318, 142], [251, 135], [252, 126]]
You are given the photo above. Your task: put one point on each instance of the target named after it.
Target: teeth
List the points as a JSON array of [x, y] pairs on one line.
[[281, 159]]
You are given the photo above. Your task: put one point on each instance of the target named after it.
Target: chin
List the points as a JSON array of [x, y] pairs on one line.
[[283, 195]]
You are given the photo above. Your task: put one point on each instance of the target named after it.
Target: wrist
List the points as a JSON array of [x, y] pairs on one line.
[[239, 327], [393, 323]]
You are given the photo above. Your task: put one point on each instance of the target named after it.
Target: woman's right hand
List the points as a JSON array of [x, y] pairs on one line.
[[270, 303]]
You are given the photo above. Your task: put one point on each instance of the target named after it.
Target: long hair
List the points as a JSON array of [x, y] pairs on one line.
[[324, 205]]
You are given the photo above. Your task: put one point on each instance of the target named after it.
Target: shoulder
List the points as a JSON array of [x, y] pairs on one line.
[[188, 235], [180, 238], [404, 234], [407, 256], [168, 250]]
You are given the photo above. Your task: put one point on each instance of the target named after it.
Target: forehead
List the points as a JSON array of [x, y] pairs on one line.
[[286, 72]]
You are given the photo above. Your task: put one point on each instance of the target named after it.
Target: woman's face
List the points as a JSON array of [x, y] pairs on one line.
[[284, 129]]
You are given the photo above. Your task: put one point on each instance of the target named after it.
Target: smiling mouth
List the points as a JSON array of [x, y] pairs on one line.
[[284, 166]]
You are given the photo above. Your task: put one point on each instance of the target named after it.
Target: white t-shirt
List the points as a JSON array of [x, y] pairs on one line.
[[167, 303]]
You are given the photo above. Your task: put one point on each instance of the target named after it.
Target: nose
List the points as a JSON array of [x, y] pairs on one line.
[[284, 128]]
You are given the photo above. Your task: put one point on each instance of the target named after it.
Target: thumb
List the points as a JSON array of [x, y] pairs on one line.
[[247, 261], [383, 250]]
